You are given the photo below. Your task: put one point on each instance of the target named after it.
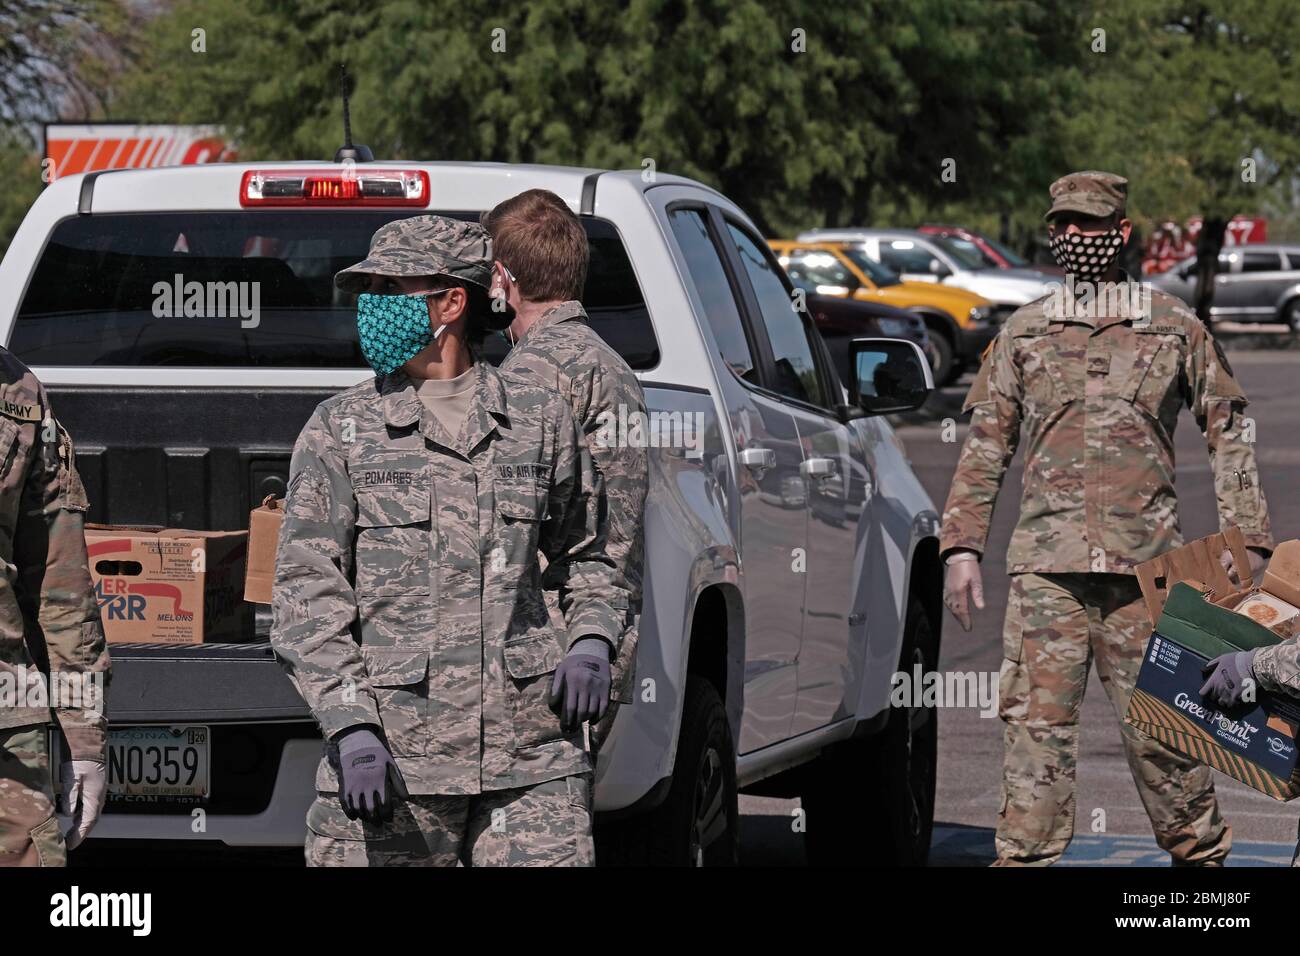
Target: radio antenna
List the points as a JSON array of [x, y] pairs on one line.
[[357, 153]]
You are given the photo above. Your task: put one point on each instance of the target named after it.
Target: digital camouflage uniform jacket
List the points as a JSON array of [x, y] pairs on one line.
[[49, 618], [1277, 667], [561, 351], [408, 592], [1098, 400]]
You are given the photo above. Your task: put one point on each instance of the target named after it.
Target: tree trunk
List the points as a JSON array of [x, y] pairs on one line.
[[1209, 243]]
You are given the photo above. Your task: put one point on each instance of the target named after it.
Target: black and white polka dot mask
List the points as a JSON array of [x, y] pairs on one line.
[[1088, 257]]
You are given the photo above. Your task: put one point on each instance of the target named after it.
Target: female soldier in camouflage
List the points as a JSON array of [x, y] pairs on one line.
[[408, 603]]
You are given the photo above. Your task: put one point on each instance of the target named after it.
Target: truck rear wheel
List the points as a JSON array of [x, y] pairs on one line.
[[698, 822], [871, 802]]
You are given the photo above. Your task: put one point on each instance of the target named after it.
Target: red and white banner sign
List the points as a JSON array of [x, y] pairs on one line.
[[80, 148], [1170, 243]]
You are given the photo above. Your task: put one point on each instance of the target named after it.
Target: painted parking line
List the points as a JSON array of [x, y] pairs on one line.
[[973, 846]]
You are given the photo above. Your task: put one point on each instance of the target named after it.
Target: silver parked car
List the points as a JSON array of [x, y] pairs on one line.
[[1256, 283]]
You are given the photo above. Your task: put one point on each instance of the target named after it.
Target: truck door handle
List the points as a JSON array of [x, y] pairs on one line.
[[757, 457], [818, 468]]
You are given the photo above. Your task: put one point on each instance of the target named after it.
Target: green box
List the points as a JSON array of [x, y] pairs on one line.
[[1255, 742]]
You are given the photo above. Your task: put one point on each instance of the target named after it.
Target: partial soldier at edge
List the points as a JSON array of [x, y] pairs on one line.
[[49, 622]]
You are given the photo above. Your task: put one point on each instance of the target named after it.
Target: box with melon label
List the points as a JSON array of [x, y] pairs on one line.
[[169, 586]]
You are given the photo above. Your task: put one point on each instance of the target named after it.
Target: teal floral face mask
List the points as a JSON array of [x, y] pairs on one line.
[[394, 328]]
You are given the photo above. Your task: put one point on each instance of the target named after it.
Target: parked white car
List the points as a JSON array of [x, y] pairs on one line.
[[792, 555], [921, 257]]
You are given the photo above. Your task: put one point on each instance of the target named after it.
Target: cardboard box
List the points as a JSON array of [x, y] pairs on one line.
[[263, 537], [169, 586], [1192, 602]]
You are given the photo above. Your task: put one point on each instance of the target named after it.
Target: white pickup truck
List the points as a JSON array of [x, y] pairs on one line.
[[792, 562]]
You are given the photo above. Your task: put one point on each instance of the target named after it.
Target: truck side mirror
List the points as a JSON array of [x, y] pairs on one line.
[[889, 375]]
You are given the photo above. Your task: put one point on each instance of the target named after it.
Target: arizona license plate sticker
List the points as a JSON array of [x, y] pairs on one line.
[[158, 761]]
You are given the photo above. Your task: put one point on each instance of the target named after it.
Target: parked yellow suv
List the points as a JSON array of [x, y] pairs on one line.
[[960, 323]]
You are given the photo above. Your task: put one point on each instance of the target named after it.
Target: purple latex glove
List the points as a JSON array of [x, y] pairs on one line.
[[580, 690], [369, 780], [1229, 675]]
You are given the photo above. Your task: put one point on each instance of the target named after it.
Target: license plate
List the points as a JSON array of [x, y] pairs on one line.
[[158, 762]]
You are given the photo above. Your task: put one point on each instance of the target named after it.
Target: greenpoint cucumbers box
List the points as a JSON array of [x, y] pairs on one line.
[[1191, 603]]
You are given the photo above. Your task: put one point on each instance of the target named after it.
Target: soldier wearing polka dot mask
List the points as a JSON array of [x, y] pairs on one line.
[[1086, 224], [1093, 395]]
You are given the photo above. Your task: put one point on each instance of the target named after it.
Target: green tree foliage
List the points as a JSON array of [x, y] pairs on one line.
[[1198, 103], [22, 183], [804, 113], [1185, 93]]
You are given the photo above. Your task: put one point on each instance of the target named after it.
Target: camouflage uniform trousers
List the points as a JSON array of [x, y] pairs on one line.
[[546, 824], [29, 830], [1056, 625]]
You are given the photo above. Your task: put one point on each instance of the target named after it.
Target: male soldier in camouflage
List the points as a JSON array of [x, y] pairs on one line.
[[408, 605], [541, 267], [49, 626], [1097, 381]]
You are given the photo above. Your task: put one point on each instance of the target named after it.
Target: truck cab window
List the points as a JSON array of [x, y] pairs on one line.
[[710, 281], [792, 352]]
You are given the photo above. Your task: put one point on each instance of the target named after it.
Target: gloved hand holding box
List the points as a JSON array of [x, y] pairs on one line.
[[1193, 606]]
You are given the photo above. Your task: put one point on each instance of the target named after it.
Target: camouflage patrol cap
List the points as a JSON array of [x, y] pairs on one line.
[[1090, 192], [424, 246]]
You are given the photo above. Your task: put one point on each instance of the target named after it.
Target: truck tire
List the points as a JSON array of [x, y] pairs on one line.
[[871, 802], [698, 822]]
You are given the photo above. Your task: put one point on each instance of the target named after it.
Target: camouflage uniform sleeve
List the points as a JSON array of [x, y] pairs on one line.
[[591, 592], [994, 403], [54, 589], [1277, 667], [623, 472], [1219, 405], [313, 605]]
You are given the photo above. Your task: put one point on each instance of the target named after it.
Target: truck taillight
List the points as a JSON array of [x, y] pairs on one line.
[[348, 186]]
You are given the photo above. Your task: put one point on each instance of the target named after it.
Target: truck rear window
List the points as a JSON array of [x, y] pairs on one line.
[[248, 289]]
